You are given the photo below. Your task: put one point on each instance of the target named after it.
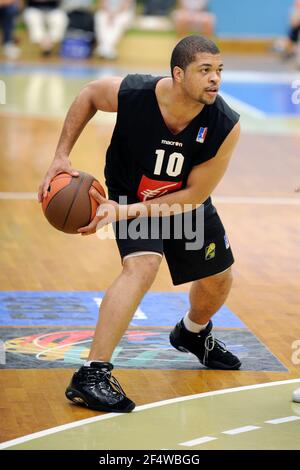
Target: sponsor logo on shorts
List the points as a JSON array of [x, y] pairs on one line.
[[226, 241], [210, 251]]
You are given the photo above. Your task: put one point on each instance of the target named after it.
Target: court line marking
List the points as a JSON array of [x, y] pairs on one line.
[[75, 424], [199, 440], [95, 71], [241, 430], [18, 195], [287, 419], [243, 106], [259, 77], [235, 431], [289, 201], [268, 201]]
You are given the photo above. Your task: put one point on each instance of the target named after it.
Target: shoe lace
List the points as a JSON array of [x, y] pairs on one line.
[[96, 376], [211, 343]]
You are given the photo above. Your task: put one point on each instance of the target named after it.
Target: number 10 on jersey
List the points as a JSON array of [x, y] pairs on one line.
[[175, 163]]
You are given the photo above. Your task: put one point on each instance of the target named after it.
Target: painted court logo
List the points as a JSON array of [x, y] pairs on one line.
[[2, 92]]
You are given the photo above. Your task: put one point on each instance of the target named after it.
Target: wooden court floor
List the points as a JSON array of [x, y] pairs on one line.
[[264, 230]]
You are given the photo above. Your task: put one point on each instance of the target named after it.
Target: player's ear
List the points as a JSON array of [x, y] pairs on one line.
[[178, 74]]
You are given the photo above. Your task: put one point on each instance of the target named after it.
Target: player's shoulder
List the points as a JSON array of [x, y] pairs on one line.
[[225, 110], [138, 81]]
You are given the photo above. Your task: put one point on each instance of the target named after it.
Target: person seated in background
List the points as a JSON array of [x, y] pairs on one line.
[[192, 16], [112, 19], [80, 15], [46, 23], [157, 7], [294, 32], [8, 12]]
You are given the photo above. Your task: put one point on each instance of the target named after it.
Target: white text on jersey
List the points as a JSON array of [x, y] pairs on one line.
[[170, 142]]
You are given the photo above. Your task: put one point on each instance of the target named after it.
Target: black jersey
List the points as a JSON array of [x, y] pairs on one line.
[[145, 159]]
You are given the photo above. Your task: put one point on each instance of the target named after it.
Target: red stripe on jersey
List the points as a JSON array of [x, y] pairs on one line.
[[149, 189]]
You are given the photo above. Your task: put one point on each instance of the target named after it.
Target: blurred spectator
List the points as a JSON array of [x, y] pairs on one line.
[[158, 7], [79, 38], [294, 32], [46, 23], [112, 19], [192, 15], [80, 14], [8, 11]]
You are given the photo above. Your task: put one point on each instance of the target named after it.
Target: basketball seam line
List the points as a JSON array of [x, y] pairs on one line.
[[75, 195], [52, 199]]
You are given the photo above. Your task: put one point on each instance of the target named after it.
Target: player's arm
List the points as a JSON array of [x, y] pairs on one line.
[[99, 95], [202, 180]]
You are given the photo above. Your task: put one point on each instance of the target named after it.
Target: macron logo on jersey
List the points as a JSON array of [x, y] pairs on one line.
[[170, 142], [201, 135]]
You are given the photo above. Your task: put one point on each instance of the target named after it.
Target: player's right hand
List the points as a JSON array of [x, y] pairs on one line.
[[59, 165]]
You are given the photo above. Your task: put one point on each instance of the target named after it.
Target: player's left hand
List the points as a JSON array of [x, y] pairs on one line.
[[107, 212]]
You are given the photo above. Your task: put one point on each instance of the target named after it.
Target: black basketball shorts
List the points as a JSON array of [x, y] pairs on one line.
[[187, 258]]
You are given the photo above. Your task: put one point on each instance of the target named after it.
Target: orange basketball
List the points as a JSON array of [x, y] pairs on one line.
[[68, 205]]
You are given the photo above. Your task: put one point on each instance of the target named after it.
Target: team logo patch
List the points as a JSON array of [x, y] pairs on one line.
[[201, 135], [148, 188], [226, 241], [210, 251]]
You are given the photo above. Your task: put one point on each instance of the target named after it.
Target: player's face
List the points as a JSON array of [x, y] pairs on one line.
[[202, 78]]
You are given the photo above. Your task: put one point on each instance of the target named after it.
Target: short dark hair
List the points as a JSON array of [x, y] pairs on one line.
[[185, 51]]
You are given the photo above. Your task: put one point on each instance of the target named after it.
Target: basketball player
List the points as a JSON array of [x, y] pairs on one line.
[[172, 141]]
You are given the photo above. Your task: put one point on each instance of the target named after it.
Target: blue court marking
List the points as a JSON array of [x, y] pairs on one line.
[[269, 97], [66, 70], [19, 308]]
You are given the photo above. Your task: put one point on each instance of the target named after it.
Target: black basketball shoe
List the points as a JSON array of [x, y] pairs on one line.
[[96, 388], [210, 352]]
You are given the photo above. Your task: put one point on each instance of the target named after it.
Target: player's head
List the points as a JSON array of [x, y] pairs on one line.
[[196, 65]]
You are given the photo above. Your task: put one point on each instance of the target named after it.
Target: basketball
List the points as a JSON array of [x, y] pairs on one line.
[[68, 205]]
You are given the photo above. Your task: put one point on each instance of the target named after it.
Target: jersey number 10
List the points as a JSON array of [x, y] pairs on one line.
[[175, 163]]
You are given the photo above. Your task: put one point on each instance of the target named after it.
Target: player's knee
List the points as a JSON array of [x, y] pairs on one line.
[[224, 280], [142, 268], [216, 285]]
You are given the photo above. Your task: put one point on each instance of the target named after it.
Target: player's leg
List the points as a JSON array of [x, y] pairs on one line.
[[209, 269], [207, 295], [121, 301], [93, 385]]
